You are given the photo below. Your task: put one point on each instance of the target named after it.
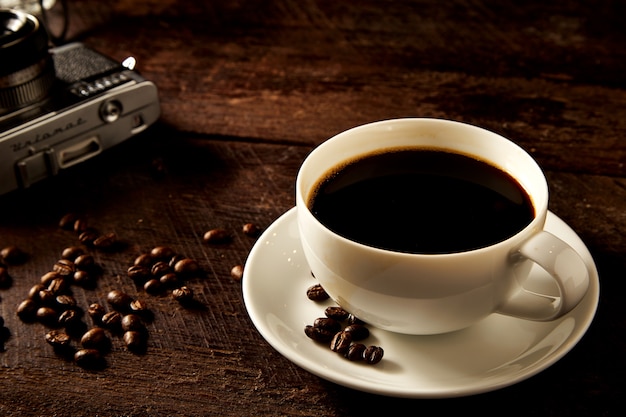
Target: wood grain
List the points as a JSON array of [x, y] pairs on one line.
[[247, 90]]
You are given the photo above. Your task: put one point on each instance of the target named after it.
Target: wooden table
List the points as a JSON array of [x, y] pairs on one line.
[[247, 89]]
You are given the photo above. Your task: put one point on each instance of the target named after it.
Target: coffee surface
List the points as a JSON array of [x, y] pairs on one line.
[[421, 201]]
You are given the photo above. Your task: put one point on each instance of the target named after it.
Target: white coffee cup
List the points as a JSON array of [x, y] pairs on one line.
[[437, 293]]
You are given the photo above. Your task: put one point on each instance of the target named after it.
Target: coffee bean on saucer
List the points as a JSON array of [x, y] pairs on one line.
[[318, 334], [373, 354], [337, 313], [358, 331], [317, 293], [352, 319], [328, 324], [341, 342], [355, 352]]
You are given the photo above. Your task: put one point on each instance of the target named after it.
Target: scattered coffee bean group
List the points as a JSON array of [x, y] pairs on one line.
[[89, 235], [51, 303], [341, 331], [162, 270]]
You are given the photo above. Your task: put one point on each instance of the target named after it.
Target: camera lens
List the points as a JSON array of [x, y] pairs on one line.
[[27, 70]]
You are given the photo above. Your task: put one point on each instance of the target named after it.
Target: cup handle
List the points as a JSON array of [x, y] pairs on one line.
[[566, 267]]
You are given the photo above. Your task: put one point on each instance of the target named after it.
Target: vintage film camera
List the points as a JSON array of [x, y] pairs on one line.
[[61, 106]]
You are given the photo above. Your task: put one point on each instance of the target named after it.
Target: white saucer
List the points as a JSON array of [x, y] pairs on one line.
[[497, 352]]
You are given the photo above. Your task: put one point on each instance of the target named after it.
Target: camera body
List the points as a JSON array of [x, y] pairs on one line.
[[89, 104]]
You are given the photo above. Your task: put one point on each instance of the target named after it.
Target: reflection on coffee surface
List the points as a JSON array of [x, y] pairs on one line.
[[421, 201]]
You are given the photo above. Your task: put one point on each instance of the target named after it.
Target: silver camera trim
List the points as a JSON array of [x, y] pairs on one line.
[[111, 111]]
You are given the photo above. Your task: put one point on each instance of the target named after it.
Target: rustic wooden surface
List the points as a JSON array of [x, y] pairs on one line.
[[248, 88]]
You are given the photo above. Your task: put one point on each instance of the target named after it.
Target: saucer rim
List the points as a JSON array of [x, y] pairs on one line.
[[580, 329]]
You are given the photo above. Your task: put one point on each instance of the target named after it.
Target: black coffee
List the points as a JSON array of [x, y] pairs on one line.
[[421, 201]]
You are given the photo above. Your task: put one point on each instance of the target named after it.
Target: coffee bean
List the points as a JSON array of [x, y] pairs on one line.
[[58, 285], [112, 321], [182, 294], [145, 259], [160, 268], [373, 354], [186, 267], [72, 252], [328, 324], [96, 311], [89, 359], [47, 278], [169, 280], [57, 339], [162, 253], [95, 338], [65, 301], [251, 229], [355, 352], [12, 255], [27, 309], [33, 293], [67, 221], [105, 241], [336, 313], [318, 334], [355, 320], [70, 317], [80, 225], [174, 259], [64, 267], [217, 235], [83, 278], [119, 300], [152, 286], [134, 341], [236, 272], [46, 296], [132, 322], [358, 331], [317, 293], [341, 342], [139, 273], [84, 262], [139, 307], [88, 236], [47, 316]]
